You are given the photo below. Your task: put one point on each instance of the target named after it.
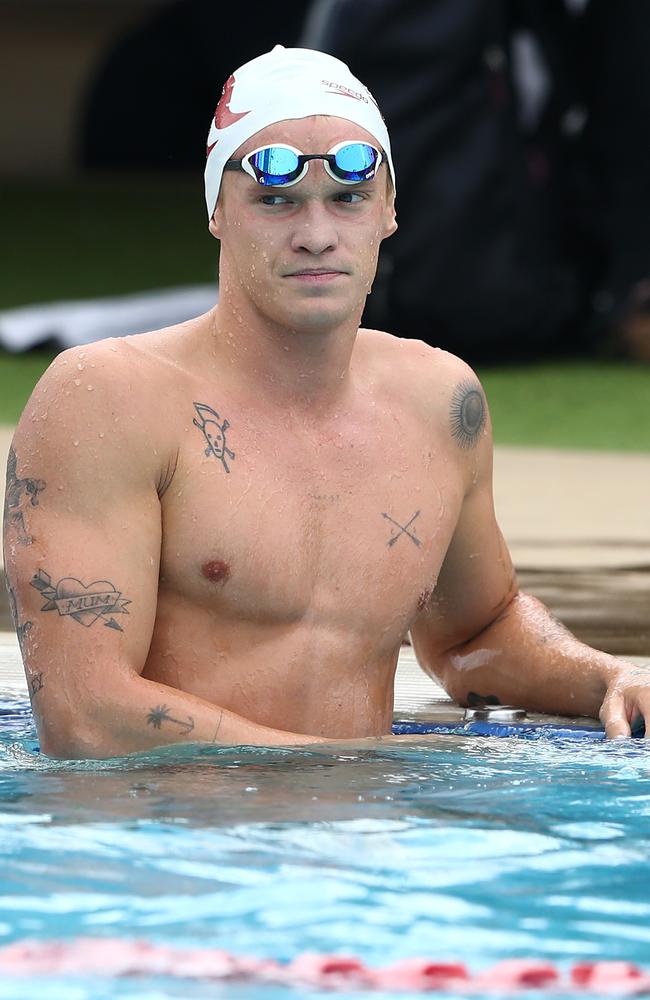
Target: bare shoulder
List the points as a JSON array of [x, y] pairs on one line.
[[439, 384], [98, 406]]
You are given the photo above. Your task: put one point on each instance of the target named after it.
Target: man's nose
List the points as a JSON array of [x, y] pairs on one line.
[[315, 229]]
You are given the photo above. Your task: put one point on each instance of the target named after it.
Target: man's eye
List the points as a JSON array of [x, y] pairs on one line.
[[274, 199], [349, 197]]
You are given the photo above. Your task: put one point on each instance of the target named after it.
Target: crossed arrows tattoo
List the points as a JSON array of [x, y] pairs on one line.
[[403, 529]]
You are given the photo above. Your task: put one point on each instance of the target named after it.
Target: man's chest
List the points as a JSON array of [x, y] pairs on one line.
[[271, 523]]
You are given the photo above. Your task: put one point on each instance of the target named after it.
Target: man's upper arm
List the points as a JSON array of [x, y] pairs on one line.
[[81, 540], [477, 580]]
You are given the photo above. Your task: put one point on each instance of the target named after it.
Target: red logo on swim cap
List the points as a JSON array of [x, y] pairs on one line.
[[223, 116]]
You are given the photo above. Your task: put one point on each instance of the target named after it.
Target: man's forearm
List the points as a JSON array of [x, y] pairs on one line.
[[527, 658], [139, 714]]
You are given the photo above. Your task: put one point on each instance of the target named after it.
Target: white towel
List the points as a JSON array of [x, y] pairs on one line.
[[85, 320]]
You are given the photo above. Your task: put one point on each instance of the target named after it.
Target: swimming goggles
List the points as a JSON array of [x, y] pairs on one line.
[[281, 166]]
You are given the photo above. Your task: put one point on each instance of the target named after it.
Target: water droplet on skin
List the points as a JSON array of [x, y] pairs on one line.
[[101, 434], [76, 444], [89, 388], [81, 367], [77, 381]]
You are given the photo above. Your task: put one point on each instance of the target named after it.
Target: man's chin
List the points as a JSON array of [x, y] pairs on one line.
[[321, 314], [318, 320]]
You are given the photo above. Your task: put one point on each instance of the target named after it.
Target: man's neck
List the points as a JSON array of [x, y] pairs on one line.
[[290, 367]]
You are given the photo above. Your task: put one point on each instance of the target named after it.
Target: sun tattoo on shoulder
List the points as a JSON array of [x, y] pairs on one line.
[[467, 414]]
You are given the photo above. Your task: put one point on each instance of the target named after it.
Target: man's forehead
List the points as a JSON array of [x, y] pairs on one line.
[[317, 133]]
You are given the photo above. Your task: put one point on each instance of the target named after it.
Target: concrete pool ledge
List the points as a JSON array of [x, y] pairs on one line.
[[568, 509]]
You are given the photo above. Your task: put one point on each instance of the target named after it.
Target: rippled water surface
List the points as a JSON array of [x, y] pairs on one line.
[[472, 849]]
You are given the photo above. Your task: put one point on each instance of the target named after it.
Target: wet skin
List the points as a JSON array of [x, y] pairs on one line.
[[241, 518]]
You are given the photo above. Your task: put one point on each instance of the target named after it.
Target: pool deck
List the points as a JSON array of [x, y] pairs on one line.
[[571, 514]]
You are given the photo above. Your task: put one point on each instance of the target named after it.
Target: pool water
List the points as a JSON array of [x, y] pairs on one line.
[[444, 847]]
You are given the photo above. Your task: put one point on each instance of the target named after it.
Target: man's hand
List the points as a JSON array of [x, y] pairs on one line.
[[627, 701]]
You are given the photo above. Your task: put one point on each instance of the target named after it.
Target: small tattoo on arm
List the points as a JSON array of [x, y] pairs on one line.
[[21, 629], [35, 685], [160, 714], [403, 529], [214, 430], [467, 414], [15, 493], [86, 604]]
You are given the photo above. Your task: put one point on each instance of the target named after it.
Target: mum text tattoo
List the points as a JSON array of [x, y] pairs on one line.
[[86, 604], [161, 714], [403, 529], [214, 430], [17, 490], [467, 414]]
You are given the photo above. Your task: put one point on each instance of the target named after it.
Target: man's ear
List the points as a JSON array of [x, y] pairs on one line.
[[390, 219], [215, 224]]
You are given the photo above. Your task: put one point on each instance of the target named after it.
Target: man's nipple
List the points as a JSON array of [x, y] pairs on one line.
[[215, 570]]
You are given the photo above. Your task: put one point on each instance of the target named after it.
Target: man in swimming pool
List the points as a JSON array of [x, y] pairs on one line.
[[223, 531]]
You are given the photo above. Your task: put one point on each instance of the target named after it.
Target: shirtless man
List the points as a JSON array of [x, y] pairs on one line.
[[223, 531]]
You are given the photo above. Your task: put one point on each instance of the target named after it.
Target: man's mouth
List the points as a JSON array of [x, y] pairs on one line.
[[315, 272]]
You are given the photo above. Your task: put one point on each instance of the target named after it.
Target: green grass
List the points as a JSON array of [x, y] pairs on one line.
[[571, 404], [104, 235]]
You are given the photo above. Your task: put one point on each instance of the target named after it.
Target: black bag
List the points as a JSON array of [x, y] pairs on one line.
[[478, 265]]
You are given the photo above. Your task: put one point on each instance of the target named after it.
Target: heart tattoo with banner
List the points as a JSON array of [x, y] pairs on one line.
[[85, 603]]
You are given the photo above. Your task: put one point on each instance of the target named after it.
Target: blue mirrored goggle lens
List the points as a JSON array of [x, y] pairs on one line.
[[277, 165], [355, 162]]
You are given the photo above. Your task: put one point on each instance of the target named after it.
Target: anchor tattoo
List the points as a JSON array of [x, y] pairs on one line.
[[214, 432], [403, 529]]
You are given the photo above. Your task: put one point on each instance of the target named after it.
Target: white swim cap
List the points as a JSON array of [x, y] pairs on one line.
[[281, 84]]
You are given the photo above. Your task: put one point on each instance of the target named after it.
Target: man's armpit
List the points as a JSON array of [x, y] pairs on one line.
[[83, 603]]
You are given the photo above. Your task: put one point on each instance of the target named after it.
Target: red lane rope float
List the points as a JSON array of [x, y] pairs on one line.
[[112, 957]]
